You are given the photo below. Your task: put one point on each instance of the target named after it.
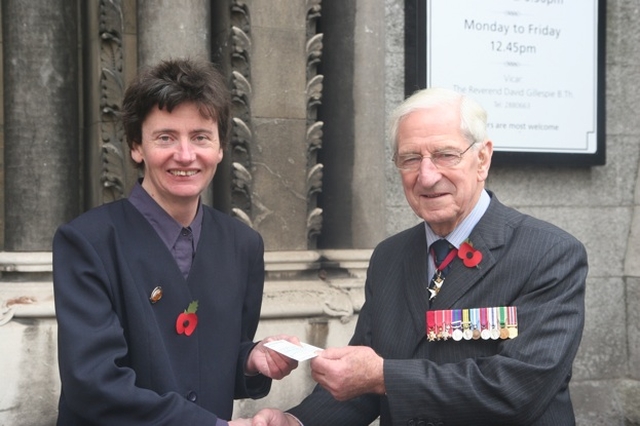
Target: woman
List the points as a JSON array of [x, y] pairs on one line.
[[158, 296]]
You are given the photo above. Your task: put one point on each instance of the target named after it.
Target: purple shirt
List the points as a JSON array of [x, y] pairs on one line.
[[181, 241]]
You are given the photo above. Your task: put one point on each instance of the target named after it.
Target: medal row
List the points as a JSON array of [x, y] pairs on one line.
[[472, 324]]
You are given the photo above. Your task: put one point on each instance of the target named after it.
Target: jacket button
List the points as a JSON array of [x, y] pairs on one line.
[[192, 396], [411, 422]]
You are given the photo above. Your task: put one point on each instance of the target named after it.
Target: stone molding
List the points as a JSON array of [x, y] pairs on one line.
[[114, 150], [39, 261], [314, 126], [242, 135], [299, 284]]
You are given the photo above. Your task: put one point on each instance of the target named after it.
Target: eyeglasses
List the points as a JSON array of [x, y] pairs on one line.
[[441, 159]]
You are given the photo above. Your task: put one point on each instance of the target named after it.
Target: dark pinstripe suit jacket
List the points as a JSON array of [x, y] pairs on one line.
[[526, 263], [121, 360]]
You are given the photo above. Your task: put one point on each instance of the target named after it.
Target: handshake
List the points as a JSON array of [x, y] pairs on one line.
[[268, 417], [345, 372]]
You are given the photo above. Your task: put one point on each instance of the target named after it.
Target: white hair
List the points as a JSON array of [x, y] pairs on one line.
[[473, 118]]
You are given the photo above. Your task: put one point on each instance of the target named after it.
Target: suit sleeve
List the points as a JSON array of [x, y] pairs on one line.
[[251, 386], [517, 383], [320, 408], [92, 346]]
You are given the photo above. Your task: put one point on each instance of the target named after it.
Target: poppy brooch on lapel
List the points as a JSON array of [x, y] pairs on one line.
[[470, 256], [188, 320]]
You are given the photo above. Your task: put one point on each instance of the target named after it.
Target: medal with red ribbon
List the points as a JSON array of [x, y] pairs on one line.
[[438, 277], [431, 326]]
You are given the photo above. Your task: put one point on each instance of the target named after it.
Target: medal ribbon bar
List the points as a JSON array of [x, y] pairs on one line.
[[491, 323]]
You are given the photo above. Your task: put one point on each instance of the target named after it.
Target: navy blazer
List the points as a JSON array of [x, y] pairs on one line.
[[121, 359], [526, 263]]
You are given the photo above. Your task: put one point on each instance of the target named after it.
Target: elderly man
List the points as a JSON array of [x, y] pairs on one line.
[[474, 316]]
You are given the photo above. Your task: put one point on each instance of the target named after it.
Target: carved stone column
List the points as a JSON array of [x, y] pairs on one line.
[[108, 167], [41, 120], [276, 177]]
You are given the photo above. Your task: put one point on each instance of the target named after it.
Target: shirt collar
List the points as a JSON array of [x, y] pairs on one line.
[[464, 228], [167, 227]]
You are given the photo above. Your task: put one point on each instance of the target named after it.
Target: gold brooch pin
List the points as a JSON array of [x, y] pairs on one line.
[[156, 294]]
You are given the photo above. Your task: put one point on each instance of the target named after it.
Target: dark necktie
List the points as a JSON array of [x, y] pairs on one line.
[[440, 250]]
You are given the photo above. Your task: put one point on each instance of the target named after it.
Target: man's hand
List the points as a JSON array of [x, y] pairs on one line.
[[240, 422], [269, 362], [273, 417], [349, 372]]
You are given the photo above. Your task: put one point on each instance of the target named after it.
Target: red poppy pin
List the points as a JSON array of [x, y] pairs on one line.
[[470, 256], [188, 320]]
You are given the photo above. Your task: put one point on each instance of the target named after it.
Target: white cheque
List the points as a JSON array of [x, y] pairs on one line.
[[299, 353]]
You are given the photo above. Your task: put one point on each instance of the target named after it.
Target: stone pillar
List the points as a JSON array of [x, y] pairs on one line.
[[277, 90], [221, 55], [354, 132], [174, 29], [631, 280], [368, 182], [41, 123]]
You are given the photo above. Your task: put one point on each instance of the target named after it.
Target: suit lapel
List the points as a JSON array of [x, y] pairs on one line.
[[213, 273], [414, 280], [150, 262]]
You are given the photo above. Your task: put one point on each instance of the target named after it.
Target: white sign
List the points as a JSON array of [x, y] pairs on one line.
[[532, 64]]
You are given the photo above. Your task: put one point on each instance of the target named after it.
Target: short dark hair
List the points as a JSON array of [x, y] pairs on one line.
[[171, 83]]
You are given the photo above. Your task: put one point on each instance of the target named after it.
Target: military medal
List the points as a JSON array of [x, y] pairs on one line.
[[456, 324], [512, 322], [504, 333], [446, 317], [467, 334], [440, 325], [431, 326], [485, 334], [493, 321], [472, 324], [475, 323], [438, 277], [436, 282]]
